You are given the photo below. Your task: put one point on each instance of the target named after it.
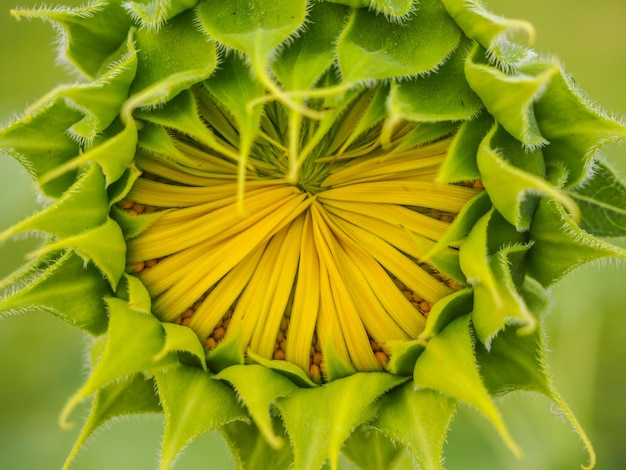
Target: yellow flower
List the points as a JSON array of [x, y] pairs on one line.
[[263, 205]]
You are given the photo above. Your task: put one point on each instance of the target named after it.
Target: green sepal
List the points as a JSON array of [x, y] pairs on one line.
[[335, 364], [447, 365], [373, 48], [318, 433], [424, 433], [39, 141], [103, 245], [492, 314], [465, 220], [491, 31], [183, 340], [251, 450], [492, 258], [287, 369], [601, 199], [443, 258], [518, 362], [574, 129], [180, 114], [194, 403], [510, 99], [152, 14], [426, 133], [171, 59], [102, 23], [441, 96], [133, 340], [402, 356], [120, 188], [133, 225], [254, 27], [60, 290], [155, 142], [100, 100], [369, 449], [135, 293], [83, 206], [234, 87], [514, 178], [305, 60], [372, 111], [229, 352], [113, 150], [560, 246], [445, 311], [460, 164], [130, 396], [258, 388]]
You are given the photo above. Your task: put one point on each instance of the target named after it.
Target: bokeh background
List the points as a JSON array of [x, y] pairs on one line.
[[42, 360]]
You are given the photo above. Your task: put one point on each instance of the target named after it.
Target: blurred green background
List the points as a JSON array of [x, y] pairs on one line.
[[42, 360]]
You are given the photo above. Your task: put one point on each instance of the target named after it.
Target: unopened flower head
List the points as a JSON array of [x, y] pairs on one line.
[[259, 205]]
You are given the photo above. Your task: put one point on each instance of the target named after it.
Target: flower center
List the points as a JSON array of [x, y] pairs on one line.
[[316, 252]]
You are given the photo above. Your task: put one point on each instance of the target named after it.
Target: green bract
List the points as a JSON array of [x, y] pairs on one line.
[[314, 226]]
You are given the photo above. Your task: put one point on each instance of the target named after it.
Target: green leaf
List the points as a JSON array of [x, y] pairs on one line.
[[39, 141], [300, 64], [318, 420], [133, 340], [473, 210], [182, 339], [418, 420], [251, 449], [254, 27], [369, 449], [101, 99], [560, 246], [113, 151], [61, 290], [443, 95], [82, 207], [492, 258], [574, 128], [133, 225], [194, 403], [514, 179], [228, 352], [180, 114], [132, 395], [447, 365], [511, 98], [373, 48], [259, 388], [453, 306], [154, 13], [460, 164], [104, 246], [120, 188], [294, 373], [171, 59], [491, 31], [132, 290], [518, 362], [234, 87], [102, 23], [602, 202]]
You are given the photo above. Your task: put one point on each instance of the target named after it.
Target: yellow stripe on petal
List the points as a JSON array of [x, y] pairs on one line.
[[443, 197], [306, 303]]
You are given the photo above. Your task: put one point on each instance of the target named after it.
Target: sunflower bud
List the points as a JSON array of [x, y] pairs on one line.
[[263, 205]]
